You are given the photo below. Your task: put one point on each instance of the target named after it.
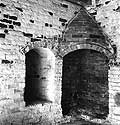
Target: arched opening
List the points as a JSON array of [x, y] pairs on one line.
[[39, 81], [85, 84]]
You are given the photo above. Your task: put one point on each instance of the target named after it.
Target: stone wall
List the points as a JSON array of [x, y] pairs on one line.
[[108, 14], [26, 24]]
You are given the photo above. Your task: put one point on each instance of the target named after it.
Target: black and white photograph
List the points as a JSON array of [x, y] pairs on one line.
[[59, 62]]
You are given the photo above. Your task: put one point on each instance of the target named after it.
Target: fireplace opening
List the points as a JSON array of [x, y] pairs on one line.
[[85, 84], [39, 80]]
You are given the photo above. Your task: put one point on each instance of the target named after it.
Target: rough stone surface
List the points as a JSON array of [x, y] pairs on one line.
[[85, 84], [25, 22]]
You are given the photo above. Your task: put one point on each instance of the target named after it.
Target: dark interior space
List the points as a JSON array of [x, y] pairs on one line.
[[85, 84], [36, 80]]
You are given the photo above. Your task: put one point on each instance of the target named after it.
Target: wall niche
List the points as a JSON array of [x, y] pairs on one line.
[[39, 81], [85, 84]]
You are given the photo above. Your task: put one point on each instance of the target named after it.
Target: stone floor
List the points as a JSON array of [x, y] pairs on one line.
[[80, 123], [83, 122], [78, 120]]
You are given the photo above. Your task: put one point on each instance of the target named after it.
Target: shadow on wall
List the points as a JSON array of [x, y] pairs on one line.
[[39, 80], [85, 84]]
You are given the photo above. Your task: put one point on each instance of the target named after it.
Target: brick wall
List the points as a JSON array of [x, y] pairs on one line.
[[23, 25], [108, 14], [26, 24], [85, 84]]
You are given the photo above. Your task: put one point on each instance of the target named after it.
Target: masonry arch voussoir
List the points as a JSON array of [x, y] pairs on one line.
[[98, 48]]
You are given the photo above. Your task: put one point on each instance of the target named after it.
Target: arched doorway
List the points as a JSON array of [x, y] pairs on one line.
[[85, 83], [39, 81]]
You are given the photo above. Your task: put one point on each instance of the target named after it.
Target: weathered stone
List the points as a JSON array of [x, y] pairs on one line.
[[78, 78], [23, 36]]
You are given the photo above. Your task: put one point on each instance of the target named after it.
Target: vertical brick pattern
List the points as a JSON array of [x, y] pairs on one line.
[[85, 84], [83, 28]]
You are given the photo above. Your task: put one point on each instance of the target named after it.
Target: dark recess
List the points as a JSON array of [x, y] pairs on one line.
[[107, 2], [96, 36], [27, 34], [117, 10], [7, 62], [11, 26], [86, 2], [50, 13], [85, 84], [34, 82], [6, 21], [99, 5], [35, 39], [75, 12], [63, 24], [62, 20], [17, 23], [13, 17], [3, 25], [2, 5], [64, 5], [95, 13], [46, 24], [5, 31], [2, 35], [50, 25], [6, 15], [32, 21], [20, 9], [77, 35]]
